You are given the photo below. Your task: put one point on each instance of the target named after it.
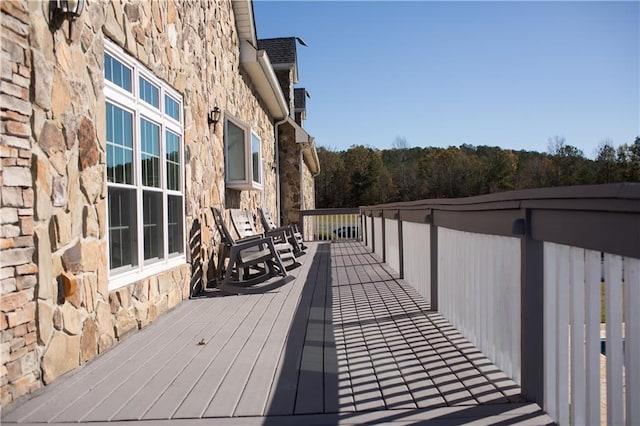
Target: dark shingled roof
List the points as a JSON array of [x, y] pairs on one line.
[[280, 50], [300, 98]]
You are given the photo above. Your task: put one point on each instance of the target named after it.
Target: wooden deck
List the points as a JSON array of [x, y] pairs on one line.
[[343, 341]]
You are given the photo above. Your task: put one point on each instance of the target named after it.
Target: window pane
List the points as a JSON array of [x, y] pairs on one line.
[[171, 107], [235, 152], [119, 145], [149, 93], [150, 157], [152, 222], [116, 72], [175, 220], [255, 156], [172, 153], [122, 228]]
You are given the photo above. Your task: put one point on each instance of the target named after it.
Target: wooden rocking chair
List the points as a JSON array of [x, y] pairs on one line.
[[245, 255], [245, 228], [293, 235]]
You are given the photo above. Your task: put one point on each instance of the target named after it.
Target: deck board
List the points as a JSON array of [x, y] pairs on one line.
[[344, 341]]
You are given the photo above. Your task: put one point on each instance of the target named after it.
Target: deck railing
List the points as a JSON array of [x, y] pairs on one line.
[[531, 278], [331, 224]]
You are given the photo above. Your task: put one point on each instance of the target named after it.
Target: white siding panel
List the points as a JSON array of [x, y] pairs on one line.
[[392, 244], [416, 246]]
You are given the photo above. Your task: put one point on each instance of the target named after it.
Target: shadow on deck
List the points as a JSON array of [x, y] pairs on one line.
[[345, 342]]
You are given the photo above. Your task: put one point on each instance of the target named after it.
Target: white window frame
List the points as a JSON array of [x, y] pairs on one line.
[[132, 102], [249, 182]]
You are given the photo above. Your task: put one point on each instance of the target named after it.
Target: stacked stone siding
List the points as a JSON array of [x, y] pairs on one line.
[[20, 372], [294, 173], [58, 308]]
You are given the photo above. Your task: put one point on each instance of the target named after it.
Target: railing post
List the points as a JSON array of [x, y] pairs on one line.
[[433, 258], [531, 311], [400, 246], [384, 238], [373, 234]]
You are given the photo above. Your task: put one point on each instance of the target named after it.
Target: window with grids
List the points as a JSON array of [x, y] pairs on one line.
[[243, 155], [144, 135]]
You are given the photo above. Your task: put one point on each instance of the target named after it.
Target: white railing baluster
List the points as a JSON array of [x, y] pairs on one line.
[[491, 298], [514, 291], [592, 356], [613, 306], [562, 336], [550, 330], [577, 373], [632, 339]]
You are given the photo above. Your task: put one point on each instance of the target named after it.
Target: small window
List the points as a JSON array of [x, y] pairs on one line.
[[117, 73], [172, 107], [243, 156], [149, 93]]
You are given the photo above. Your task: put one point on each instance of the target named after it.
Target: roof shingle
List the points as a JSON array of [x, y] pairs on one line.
[[280, 50]]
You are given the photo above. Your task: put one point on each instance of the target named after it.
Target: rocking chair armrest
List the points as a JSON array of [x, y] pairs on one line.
[[277, 233], [249, 238], [258, 240], [280, 229]]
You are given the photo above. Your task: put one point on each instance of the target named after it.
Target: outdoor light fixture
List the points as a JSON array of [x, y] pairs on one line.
[[65, 9], [214, 116]]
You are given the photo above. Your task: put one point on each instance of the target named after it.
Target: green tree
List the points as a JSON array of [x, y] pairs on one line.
[[332, 184], [607, 167]]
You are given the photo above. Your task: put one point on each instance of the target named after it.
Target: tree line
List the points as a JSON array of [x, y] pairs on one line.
[[363, 175]]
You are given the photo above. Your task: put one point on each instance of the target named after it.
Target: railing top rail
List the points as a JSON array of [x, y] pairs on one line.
[[596, 217], [610, 197], [324, 212]]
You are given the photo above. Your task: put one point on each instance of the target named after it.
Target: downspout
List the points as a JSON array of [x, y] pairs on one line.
[[277, 154]]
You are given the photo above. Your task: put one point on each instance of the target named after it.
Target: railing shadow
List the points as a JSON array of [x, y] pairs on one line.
[[311, 386]]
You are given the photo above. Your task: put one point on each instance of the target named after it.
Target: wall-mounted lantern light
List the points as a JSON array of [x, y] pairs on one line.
[[214, 117], [65, 9]]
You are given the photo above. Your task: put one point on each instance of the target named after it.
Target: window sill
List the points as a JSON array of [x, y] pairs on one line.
[[244, 186], [127, 278]]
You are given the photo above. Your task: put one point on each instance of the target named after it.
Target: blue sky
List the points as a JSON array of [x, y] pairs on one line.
[[509, 74]]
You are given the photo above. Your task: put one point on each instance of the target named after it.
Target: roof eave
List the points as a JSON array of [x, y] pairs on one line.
[[257, 64], [309, 152], [245, 22]]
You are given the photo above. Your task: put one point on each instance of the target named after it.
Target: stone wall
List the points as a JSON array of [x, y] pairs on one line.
[[308, 195], [294, 172], [58, 310], [20, 372]]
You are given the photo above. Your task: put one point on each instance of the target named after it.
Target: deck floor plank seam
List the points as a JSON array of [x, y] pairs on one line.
[[169, 401], [78, 385], [199, 398], [140, 403], [265, 371], [282, 396]]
